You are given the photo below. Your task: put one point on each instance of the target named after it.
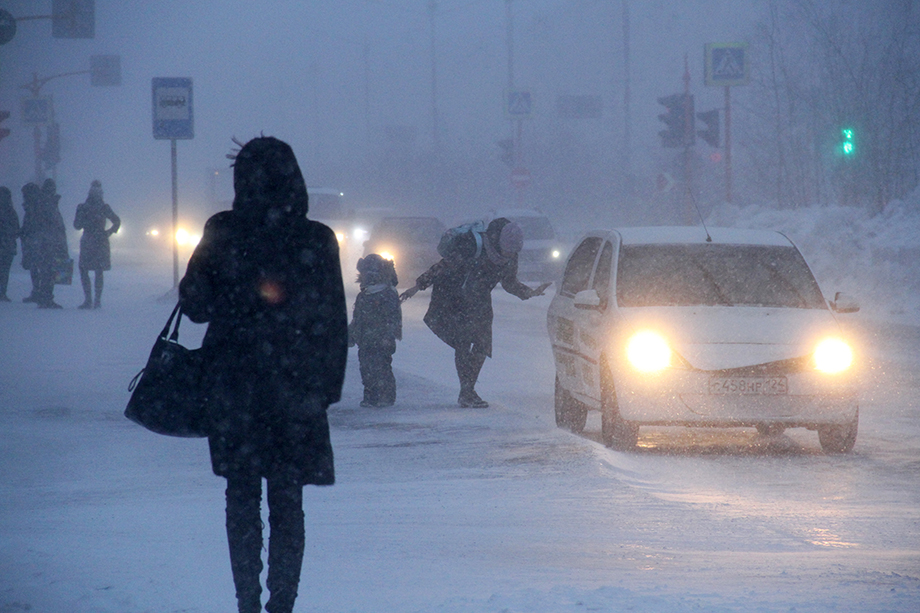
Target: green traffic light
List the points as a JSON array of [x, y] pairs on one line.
[[847, 146]]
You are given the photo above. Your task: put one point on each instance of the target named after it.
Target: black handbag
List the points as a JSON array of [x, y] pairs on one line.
[[168, 395]]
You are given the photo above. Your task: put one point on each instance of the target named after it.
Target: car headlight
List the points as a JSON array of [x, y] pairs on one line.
[[556, 254], [387, 255], [833, 355], [648, 351], [340, 236]]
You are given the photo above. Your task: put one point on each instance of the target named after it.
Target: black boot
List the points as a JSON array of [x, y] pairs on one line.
[[244, 535], [286, 545]]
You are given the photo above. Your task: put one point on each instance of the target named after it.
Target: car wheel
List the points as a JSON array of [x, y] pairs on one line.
[[617, 433], [570, 414], [770, 429], [839, 439]]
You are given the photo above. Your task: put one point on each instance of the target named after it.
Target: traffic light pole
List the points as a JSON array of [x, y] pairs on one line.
[[728, 144]]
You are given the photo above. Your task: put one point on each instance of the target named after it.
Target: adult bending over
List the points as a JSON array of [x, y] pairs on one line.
[[460, 311], [268, 282]]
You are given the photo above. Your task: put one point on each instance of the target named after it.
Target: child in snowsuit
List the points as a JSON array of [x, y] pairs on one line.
[[375, 327]]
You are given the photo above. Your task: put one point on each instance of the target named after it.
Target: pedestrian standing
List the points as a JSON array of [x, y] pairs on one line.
[[9, 232], [269, 283], [95, 251], [48, 237], [375, 327], [27, 238], [460, 311]]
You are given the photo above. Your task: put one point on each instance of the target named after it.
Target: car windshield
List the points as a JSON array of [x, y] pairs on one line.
[[410, 230], [730, 275], [535, 228]]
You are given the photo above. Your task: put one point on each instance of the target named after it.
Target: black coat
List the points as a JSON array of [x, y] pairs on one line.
[[9, 226], [95, 252], [276, 342], [44, 236], [377, 319], [460, 310]]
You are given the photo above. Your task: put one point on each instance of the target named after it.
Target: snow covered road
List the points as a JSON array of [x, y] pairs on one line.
[[441, 509]]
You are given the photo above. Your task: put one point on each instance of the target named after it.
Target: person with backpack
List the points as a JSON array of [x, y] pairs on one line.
[[473, 261], [375, 327]]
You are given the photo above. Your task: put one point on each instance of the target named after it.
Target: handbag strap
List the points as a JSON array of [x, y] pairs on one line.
[[177, 316]]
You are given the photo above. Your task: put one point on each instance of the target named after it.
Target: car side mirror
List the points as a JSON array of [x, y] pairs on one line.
[[844, 303], [587, 299]]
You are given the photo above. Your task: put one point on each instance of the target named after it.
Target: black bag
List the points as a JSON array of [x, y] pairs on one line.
[[168, 395]]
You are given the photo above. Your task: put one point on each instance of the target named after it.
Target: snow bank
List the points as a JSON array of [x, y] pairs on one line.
[[875, 259]]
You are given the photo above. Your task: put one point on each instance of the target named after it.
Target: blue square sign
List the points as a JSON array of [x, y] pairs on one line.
[[172, 108], [727, 64]]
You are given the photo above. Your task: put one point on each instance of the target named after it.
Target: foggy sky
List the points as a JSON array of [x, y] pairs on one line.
[[329, 77]]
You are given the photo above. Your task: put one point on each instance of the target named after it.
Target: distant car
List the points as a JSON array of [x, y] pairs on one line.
[[674, 326], [411, 242], [542, 256]]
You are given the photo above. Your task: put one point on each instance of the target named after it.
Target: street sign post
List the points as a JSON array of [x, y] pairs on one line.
[[173, 119], [37, 111], [518, 104], [727, 64]]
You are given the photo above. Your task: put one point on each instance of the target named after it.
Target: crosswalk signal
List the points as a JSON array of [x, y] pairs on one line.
[[711, 133], [679, 121], [4, 132]]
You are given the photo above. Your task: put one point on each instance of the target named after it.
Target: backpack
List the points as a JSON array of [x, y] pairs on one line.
[[450, 240]]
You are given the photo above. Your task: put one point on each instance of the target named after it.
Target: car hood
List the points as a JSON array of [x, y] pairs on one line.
[[714, 338]]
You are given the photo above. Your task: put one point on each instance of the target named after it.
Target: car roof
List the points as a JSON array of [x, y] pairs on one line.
[[665, 235]]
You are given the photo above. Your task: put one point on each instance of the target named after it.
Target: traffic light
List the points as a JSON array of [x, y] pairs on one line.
[[711, 133], [4, 132], [847, 142], [507, 154], [679, 121], [73, 18]]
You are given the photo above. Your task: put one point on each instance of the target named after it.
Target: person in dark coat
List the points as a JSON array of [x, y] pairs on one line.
[[95, 252], [460, 311], [269, 283], [46, 234], [26, 236], [9, 232], [375, 327]]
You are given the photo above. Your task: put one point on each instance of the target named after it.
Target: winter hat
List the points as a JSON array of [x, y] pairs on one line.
[[504, 240], [372, 263], [511, 240]]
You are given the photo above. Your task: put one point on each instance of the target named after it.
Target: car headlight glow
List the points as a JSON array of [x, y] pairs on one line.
[[648, 351], [556, 254], [386, 255], [833, 355], [340, 236]]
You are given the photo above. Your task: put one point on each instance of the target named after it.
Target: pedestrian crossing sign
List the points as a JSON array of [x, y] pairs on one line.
[[518, 104], [727, 64]]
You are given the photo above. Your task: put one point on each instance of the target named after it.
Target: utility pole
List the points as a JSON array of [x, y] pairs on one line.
[[689, 135], [627, 99], [435, 128]]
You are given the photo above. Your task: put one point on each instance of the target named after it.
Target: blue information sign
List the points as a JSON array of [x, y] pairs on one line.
[[172, 108]]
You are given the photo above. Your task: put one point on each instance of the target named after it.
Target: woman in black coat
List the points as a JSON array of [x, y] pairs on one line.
[[460, 311], [95, 252], [269, 284], [9, 232]]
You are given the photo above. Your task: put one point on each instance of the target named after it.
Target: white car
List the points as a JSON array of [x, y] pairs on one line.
[[683, 326]]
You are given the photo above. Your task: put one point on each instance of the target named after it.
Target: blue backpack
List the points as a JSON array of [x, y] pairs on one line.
[[450, 240]]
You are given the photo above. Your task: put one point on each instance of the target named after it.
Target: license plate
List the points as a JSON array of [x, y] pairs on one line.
[[748, 386]]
